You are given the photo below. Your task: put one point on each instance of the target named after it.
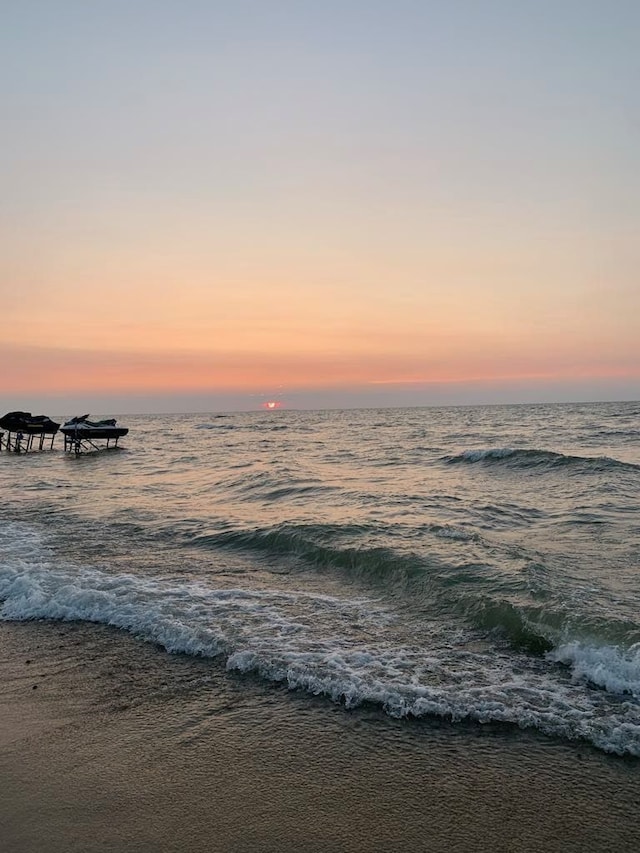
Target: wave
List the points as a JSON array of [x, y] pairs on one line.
[[215, 426], [316, 546], [477, 595], [632, 434], [267, 489], [529, 629], [614, 669], [536, 459], [344, 649], [498, 605]]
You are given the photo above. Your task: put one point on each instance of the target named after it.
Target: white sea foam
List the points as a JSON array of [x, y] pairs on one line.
[[345, 649], [492, 453], [459, 534], [616, 670], [504, 698]]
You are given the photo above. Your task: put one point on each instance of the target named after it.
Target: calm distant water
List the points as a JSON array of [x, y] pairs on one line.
[[469, 563]]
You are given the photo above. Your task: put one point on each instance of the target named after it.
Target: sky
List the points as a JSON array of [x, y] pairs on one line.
[[208, 205]]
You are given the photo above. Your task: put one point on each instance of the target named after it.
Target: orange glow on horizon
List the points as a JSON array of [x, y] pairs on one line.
[[380, 362], [53, 370]]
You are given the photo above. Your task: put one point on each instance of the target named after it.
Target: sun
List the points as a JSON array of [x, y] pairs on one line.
[[272, 404]]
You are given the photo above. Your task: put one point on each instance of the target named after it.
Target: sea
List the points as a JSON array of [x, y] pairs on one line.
[[471, 565]]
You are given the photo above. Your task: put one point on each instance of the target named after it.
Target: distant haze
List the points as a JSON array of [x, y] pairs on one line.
[[357, 398]]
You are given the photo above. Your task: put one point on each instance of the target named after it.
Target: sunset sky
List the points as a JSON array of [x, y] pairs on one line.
[[207, 205]]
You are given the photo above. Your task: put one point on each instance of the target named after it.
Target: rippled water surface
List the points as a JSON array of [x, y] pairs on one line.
[[476, 563]]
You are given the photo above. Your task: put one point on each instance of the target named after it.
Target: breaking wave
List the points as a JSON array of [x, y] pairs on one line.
[[307, 642], [536, 459]]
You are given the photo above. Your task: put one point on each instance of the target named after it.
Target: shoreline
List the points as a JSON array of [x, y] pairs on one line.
[[108, 743]]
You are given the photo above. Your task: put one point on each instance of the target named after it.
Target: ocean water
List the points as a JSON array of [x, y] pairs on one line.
[[476, 565]]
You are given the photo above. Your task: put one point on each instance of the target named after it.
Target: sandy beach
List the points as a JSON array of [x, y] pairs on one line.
[[177, 754]]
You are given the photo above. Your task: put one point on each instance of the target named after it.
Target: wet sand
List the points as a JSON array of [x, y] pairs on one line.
[[109, 744]]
